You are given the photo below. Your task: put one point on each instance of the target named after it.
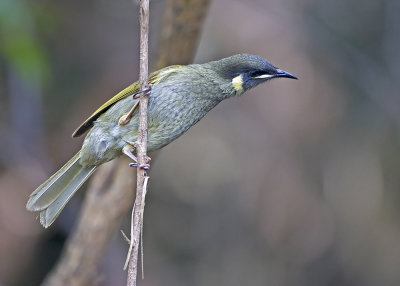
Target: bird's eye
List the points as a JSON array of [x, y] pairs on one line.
[[255, 74]]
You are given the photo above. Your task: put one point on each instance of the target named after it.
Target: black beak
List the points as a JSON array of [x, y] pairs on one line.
[[281, 73]]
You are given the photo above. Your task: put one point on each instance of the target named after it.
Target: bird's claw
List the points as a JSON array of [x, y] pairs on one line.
[[146, 92], [124, 119], [127, 150], [144, 166]]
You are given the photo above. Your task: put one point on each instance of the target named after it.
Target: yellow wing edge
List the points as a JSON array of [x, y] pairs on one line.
[[154, 78]]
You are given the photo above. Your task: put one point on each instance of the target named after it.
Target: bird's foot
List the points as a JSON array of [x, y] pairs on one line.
[[145, 166], [127, 150], [146, 92], [124, 119]]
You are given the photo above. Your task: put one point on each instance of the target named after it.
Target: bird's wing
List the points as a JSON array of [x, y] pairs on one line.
[[154, 78]]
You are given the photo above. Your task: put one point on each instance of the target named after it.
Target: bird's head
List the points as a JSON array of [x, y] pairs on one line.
[[245, 71]]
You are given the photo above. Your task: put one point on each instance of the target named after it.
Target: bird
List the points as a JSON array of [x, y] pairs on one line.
[[181, 95]]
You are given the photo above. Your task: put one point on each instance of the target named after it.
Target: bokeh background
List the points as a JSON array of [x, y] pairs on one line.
[[294, 183]]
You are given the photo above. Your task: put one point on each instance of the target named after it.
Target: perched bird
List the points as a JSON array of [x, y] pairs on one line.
[[180, 97]]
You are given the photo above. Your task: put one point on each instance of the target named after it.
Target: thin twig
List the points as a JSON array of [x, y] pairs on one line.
[[125, 236], [136, 224], [131, 244], [146, 180]]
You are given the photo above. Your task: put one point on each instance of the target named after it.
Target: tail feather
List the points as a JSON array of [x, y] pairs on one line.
[[52, 196]]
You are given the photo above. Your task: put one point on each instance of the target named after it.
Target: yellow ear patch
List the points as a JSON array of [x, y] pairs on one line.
[[237, 83]]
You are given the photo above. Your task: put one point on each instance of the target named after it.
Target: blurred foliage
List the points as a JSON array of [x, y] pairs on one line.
[[22, 25]]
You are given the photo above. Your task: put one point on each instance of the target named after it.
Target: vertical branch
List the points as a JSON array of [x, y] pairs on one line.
[[109, 196], [141, 146]]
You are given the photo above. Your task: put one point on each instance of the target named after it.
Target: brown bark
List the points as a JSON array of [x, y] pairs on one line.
[[183, 21]]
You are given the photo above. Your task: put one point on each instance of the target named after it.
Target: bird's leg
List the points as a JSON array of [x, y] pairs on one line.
[[127, 150], [124, 119]]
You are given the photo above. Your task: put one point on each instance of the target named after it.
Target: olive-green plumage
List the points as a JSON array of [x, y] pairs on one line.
[[180, 97]]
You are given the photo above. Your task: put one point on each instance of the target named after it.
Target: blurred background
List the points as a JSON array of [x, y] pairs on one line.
[[294, 183]]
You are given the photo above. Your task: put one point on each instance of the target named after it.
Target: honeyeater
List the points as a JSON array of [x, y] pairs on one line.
[[180, 97]]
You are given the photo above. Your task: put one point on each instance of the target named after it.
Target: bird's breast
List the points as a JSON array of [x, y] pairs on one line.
[[173, 109]]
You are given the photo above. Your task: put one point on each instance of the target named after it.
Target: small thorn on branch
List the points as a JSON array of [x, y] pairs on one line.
[[125, 237]]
